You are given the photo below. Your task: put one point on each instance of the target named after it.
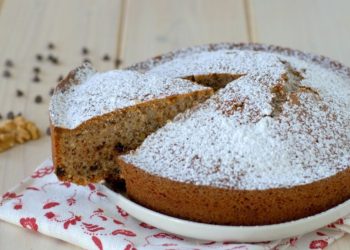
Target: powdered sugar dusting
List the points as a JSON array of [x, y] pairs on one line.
[[237, 139], [95, 94]]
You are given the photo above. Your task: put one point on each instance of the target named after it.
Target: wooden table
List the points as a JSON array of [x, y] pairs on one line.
[[133, 30]]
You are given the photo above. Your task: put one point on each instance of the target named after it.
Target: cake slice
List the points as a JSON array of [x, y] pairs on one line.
[[97, 116]]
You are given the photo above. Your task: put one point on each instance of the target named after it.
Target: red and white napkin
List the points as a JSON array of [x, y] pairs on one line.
[[87, 217]]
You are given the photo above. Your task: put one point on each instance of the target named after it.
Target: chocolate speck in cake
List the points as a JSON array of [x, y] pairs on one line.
[[60, 171], [93, 168], [119, 147]]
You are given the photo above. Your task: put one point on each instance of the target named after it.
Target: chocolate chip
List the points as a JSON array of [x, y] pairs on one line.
[[39, 57], [19, 93], [51, 91], [86, 60], [117, 62], [60, 78], [36, 70], [19, 114], [48, 131], [84, 51], [50, 46], [106, 57], [10, 115], [36, 78], [6, 74], [55, 60], [119, 147], [38, 99], [0, 117], [9, 63], [52, 59]]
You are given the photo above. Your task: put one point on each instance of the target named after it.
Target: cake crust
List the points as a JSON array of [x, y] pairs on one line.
[[231, 206]]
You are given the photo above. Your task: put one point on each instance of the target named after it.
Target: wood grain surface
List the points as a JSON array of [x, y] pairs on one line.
[[133, 30]]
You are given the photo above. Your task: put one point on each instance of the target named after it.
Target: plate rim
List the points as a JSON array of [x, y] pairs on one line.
[[256, 233]]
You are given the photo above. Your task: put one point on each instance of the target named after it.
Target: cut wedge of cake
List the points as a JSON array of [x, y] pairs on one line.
[[97, 116]]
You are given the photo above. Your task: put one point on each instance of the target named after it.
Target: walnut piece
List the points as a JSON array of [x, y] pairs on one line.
[[17, 131]]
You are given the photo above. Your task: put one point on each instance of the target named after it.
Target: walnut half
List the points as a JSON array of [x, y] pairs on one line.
[[17, 131]]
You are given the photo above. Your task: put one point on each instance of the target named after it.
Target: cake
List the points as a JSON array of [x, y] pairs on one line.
[[97, 116], [271, 145]]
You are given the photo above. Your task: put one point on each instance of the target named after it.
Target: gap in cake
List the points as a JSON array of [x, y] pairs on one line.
[[288, 89], [215, 81]]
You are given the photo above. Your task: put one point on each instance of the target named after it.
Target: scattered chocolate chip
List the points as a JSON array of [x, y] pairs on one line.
[[38, 99], [84, 51], [55, 60], [19, 93], [48, 131], [117, 62], [9, 63], [10, 115], [36, 70], [50, 46], [60, 78], [106, 57], [52, 59], [86, 60], [19, 114], [51, 91], [0, 117], [36, 78], [39, 57], [6, 74]]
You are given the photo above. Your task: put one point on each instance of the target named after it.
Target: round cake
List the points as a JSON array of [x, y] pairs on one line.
[[271, 145]]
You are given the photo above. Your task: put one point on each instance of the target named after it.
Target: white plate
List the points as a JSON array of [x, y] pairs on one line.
[[230, 233]]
